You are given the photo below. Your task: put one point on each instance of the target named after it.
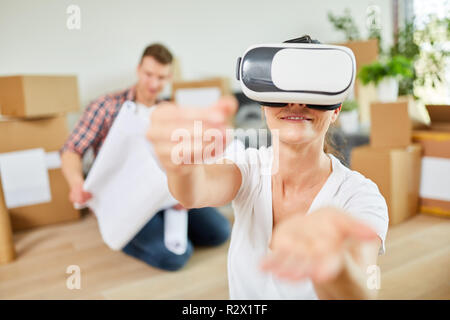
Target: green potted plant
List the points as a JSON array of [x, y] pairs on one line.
[[345, 24], [385, 74]]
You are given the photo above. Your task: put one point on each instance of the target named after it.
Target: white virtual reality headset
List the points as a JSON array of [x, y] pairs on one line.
[[297, 71]]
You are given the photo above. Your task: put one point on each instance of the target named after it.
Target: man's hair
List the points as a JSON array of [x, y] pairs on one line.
[[159, 52]]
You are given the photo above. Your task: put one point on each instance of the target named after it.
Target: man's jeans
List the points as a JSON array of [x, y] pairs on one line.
[[206, 227]]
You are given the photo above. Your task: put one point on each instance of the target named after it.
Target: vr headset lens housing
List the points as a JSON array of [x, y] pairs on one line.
[[312, 106], [320, 76]]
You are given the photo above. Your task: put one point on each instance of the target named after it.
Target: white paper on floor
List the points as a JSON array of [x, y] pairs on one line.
[[24, 178], [126, 181], [175, 230]]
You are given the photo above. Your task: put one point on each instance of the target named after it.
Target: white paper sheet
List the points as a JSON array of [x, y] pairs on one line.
[[175, 230], [52, 160], [24, 178], [435, 178], [127, 184], [197, 97]]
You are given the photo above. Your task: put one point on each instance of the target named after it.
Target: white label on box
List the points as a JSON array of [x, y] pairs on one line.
[[435, 178], [197, 97], [24, 178]]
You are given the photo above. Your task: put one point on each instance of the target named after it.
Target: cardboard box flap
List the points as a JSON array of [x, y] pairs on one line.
[[439, 116]]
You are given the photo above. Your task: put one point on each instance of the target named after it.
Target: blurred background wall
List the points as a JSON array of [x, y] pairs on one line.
[[206, 36]]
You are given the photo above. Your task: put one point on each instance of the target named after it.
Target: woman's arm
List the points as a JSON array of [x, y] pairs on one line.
[[178, 138], [352, 281], [330, 248], [211, 185]]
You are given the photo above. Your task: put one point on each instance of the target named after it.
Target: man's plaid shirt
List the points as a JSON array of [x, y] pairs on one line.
[[97, 119]]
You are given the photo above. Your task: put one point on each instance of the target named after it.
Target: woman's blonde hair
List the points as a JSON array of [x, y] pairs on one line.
[[330, 145]]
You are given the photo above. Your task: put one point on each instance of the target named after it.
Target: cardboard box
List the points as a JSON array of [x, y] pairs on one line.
[[198, 90], [366, 52], [33, 96], [396, 172], [60, 209], [391, 126], [18, 134], [439, 117], [202, 94], [49, 134], [435, 141]]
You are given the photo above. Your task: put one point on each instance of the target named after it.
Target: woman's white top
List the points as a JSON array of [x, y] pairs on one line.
[[252, 229]]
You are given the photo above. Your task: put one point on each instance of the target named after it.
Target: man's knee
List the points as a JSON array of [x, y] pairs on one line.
[[208, 227], [159, 256], [174, 262], [222, 233]]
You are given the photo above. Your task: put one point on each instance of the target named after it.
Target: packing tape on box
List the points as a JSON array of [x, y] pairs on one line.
[[436, 136], [435, 211]]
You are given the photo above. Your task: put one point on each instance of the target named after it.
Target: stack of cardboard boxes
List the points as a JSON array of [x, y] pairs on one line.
[[391, 160], [435, 178], [33, 115]]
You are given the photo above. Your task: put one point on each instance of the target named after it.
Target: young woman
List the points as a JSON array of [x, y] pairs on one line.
[[309, 229]]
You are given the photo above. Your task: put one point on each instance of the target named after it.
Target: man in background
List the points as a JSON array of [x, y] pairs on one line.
[[206, 226]]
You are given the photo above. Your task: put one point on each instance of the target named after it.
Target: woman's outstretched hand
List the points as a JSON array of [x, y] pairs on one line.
[[178, 134], [314, 246]]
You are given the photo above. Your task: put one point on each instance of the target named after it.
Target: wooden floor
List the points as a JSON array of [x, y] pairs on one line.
[[416, 266]]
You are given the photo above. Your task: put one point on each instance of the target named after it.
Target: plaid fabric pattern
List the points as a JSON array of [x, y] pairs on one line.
[[95, 122]]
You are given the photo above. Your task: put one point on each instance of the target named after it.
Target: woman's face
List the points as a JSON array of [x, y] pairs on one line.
[[298, 124]]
